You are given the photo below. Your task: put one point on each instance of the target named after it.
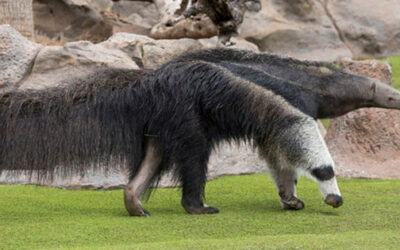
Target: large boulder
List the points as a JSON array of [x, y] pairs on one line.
[[17, 55], [70, 20], [369, 28], [25, 64], [56, 64], [325, 30], [298, 28], [365, 143]]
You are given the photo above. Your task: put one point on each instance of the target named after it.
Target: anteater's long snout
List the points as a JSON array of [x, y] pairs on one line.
[[385, 96]]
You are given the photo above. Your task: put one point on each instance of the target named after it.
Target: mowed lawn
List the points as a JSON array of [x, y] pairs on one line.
[[395, 62], [250, 217]]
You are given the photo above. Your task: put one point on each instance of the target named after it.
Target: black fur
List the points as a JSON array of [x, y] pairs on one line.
[[320, 90], [323, 173], [102, 120]]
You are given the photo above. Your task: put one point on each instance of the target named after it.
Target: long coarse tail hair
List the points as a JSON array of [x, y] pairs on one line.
[[89, 123]]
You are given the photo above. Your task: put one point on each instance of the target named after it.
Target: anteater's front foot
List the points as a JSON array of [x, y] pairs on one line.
[[292, 204], [199, 208]]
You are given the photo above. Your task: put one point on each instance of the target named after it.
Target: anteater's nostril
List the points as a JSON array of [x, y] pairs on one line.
[[339, 201], [334, 200]]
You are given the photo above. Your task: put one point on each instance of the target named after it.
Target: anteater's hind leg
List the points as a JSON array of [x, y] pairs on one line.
[[140, 182], [286, 180]]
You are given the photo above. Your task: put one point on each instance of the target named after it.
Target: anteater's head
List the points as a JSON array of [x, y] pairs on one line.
[[383, 95], [344, 92]]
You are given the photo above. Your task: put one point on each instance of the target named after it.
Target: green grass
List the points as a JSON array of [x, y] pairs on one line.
[[395, 61], [250, 217], [326, 122]]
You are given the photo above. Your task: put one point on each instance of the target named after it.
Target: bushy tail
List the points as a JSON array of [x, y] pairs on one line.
[[88, 123]]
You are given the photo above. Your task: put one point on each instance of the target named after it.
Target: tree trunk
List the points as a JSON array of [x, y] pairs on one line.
[[19, 14]]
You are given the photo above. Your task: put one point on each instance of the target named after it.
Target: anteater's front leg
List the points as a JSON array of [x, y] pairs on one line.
[[140, 182], [301, 147], [286, 181], [312, 155]]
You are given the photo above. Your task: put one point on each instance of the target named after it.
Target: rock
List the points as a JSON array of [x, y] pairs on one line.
[[200, 26], [298, 28], [168, 8], [136, 17], [188, 19], [369, 28], [56, 64], [17, 55], [28, 65], [238, 43], [150, 53], [138, 11], [101, 5], [70, 20], [235, 160], [365, 143], [370, 68], [93, 20]]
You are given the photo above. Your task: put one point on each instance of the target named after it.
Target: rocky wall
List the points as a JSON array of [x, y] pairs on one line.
[[308, 29]]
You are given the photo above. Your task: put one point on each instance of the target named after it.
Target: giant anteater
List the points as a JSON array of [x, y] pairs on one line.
[[158, 120]]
